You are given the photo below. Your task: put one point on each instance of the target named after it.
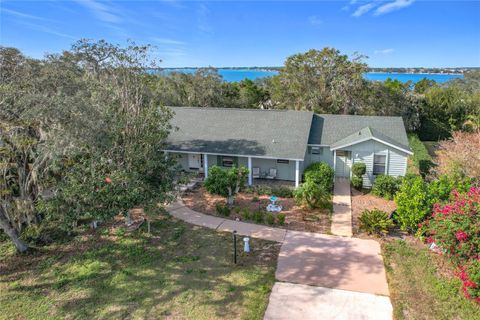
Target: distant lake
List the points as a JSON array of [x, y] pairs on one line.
[[232, 75]]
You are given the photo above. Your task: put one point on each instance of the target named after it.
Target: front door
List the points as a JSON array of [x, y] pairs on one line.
[[342, 167], [194, 161]]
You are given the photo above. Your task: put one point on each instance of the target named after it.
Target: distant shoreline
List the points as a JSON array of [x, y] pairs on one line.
[[434, 71]]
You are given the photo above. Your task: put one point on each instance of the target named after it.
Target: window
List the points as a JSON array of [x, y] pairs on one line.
[[282, 161], [227, 162], [315, 150], [379, 162]]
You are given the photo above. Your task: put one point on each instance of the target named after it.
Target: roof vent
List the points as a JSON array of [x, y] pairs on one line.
[[273, 140]]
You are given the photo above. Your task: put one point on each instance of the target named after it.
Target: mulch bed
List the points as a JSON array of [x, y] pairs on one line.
[[296, 218], [361, 202]]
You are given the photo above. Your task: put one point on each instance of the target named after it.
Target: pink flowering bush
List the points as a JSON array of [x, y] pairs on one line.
[[455, 228]]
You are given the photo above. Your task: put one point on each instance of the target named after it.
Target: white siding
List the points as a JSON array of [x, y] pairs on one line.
[[363, 152], [397, 163]]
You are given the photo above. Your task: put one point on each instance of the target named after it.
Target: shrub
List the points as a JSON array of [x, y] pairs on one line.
[[459, 156], [311, 194], [413, 203], [281, 218], [270, 218], [455, 228], [386, 186], [246, 214], [282, 192], [357, 182], [375, 222], [255, 199], [441, 188], [359, 169], [222, 209], [470, 276], [43, 234], [237, 210], [320, 173], [263, 189], [257, 216]]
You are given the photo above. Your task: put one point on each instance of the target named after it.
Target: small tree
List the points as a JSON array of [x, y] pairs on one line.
[[226, 183], [320, 173], [311, 194]]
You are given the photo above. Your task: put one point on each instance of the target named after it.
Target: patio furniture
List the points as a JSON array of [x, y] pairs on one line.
[[272, 174], [256, 173]]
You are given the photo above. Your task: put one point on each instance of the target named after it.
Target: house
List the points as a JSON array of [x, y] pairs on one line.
[[280, 144]]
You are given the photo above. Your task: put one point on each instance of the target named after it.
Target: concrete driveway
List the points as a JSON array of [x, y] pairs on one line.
[[332, 262], [297, 301]]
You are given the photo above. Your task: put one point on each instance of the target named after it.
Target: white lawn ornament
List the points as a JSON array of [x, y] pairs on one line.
[[272, 207], [246, 245]]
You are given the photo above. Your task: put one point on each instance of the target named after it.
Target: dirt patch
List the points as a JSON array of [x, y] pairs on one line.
[[296, 218], [362, 201]]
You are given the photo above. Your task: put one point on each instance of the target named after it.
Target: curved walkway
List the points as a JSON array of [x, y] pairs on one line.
[[321, 276]]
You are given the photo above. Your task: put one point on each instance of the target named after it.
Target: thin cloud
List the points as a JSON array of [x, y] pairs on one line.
[[364, 9], [167, 41], [315, 21], [174, 52], [101, 11], [393, 6], [24, 15], [384, 51], [44, 29]]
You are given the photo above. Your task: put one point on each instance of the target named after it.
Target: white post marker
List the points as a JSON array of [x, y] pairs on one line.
[[205, 165], [246, 247], [250, 174]]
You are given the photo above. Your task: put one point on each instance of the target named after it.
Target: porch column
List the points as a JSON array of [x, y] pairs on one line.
[[334, 162], [297, 173], [205, 165], [250, 174]]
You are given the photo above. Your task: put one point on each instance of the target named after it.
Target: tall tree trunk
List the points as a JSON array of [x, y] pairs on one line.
[[11, 232]]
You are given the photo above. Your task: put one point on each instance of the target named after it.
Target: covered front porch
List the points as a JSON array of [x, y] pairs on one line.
[[261, 170]]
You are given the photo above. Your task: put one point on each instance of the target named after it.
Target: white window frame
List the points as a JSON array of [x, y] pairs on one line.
[[375, 163]]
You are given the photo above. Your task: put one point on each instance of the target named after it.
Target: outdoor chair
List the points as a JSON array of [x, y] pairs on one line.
[[272, 174], [256, 173]]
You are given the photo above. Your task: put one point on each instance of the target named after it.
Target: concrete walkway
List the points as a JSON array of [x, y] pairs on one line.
[[342, 210], [322, 276]]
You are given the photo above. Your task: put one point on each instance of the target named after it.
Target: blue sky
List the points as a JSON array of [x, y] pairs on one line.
[[393, 33]]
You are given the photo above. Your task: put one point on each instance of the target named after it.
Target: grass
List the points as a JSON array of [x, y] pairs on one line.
[[423, 286], [421, 161], [179, 271], [431, 146]]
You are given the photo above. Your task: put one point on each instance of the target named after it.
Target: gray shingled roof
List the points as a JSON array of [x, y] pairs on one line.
[[265, 133], [366, 134], [329, 129]]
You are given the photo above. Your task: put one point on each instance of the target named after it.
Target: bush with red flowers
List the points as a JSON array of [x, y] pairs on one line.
[[455, 228]]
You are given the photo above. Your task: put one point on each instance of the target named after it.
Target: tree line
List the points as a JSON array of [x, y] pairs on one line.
[[325, 81]]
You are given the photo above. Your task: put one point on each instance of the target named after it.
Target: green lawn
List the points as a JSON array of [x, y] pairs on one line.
[[423, 286], [180, 272], [421, 161]]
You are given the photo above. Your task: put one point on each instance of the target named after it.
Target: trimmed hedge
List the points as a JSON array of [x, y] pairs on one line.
[[386, 186]]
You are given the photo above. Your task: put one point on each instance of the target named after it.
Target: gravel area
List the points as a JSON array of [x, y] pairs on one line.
[[362, 201]]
